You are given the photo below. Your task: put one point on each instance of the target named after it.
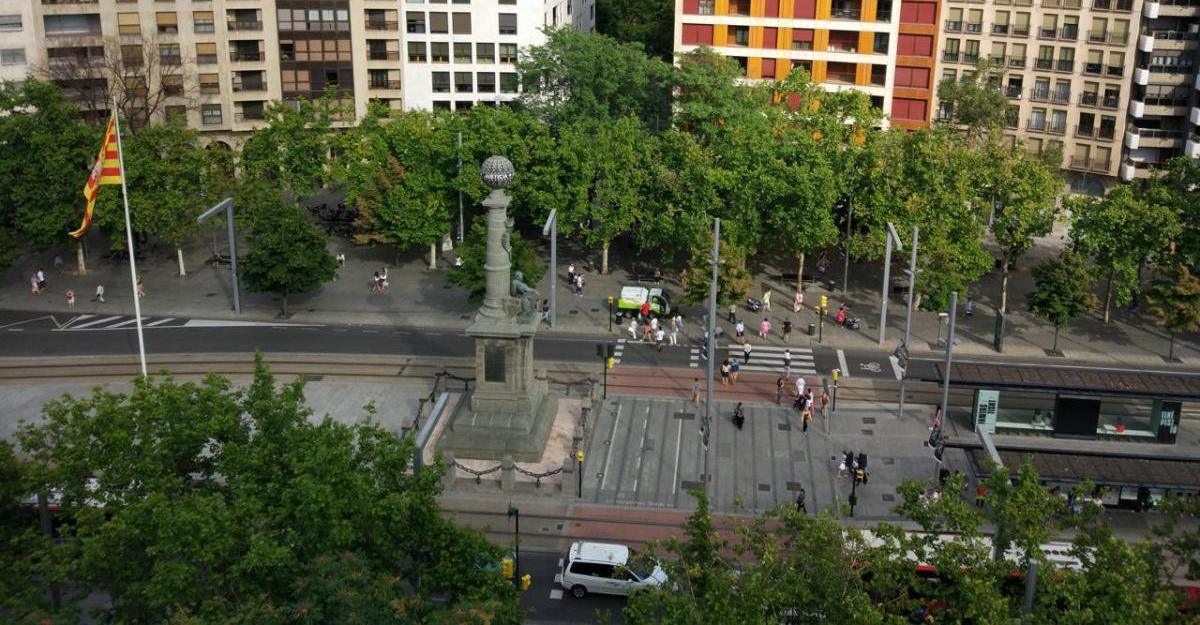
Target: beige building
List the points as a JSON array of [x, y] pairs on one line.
[[219, 63], [1067, 73], [17, 39]]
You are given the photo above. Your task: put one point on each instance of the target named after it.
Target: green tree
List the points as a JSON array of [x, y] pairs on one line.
[[1176, 188], [473, 251], [733, 280], [287, 253], [1061, 291], [647, 22], [585, 76], [976, 101], [165, 176], [1023, 512], [292, 150], [1118, 234], [802, 191], [46, 152], [1174, 300], [201, 503]]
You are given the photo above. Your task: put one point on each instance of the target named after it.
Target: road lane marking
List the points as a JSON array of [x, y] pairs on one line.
[[842, 363], [608, 454], [641, 452], [160, 322], [896, 367], [50, 317], [125, 323], [92, 323], [678, 444]]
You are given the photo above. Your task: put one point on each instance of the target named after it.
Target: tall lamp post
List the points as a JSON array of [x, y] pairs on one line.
[[892, 239], [846, 264], [710, 341], [551, 230], [949, 352], [912, 283], [460, 203], [226, 206]]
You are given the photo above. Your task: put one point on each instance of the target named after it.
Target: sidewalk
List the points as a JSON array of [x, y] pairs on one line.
[[419, 297]]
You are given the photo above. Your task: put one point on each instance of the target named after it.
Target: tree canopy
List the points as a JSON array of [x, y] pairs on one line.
[[287, 252]]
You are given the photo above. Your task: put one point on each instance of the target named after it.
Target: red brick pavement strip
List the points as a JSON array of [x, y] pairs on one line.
[[677, 382], [635, 526]]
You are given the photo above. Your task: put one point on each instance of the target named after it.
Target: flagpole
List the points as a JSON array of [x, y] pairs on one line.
[[137, 304]]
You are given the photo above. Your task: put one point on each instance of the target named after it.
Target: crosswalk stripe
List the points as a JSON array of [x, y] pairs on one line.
[[125, 323], [771, 349], [75, 319], [779, 369], [160, 322], [94, 323]]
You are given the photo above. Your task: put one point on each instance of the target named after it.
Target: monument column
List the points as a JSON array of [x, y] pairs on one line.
[[497, 173]]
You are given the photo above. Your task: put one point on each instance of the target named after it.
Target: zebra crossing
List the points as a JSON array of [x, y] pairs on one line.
[[764, 358], [96, 322]]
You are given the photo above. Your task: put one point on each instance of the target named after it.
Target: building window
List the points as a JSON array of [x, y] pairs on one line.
[[485, 82], [172, 84], [203, 22], [12, 56], [210, 84], [206, 53], [129, 24], [168, 23], [293, 81], [508, 23], [210, 114], [131, 56], [462, 52], [508, 53], [415, 22], [176, 113], [462, 23], [910, 109], [508, 82], [802, 39], [438, 24], [168, 54], [416, 52], [440, 52], [464, 82], [9, 23], [741, 36], [485, 53], [915, 77], [441, 82], [698, 34]]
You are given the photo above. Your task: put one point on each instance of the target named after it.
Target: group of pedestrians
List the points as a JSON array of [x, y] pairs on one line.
[[652, 329], [379, 281], [575, 280], [38, 285], [854, 467]]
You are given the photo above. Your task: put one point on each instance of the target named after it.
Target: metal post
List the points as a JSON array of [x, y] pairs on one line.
[[820, 324], [460, 202], [1030, 586], [710, 341], [846, 267], [604, 365], [579, 473], [949, 353], [551, 229], [610, 313], [515, 513], [892, 239], [912, 283], [44, 516], [853, 487], [237, 298]]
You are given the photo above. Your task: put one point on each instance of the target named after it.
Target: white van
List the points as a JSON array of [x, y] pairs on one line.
[[604, 568]]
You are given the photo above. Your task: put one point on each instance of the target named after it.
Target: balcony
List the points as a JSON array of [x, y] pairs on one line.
[[248, 116], [1047, 33], [239, 56], [1110, 102], [1114, 70], [1195, 116], [1016, 62], [1057, 129], [1150, 9], [1178, 8], [1045, 64], [953, 26], [1020, 31], [1040, 95], [1137, 109], [244, 25], [1145, 43], [1141, 76], [1089, 99], [1068, 33], [1110, 38], [382, 25], [1094, 69], [249, 86], [383, 55], [1106, 132], [970, 57], [845, 12], [76, 32], [1013, 92], [1111, 5], [376, 85], [1036, 125], [974, 28], [1085, 131], [1064, 65], [1060, 97], [999, 29], [1090, 164], [950, 57], [1152, 138], [1192, 147], [847, 78]]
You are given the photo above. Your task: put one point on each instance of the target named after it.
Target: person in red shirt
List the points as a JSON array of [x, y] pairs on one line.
[[645, 310]]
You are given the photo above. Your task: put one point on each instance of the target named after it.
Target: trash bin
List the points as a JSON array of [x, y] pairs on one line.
[[812, 329], [620, 318]]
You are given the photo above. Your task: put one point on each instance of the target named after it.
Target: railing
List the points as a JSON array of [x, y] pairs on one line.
[[204, 27], [168, 29], [1169, 69], [1057, 129], [1156, 133], [1110, 102], [843, 77], [1085, 131], [974, 28], [1175, 35], [1040, 95], [1047, 33], [996, 60], [999, 29], [383, 55], [69, 1], [1020, 31], [1115, 70], [1065, 65], [845, 13], [382, 25], [242, 116], [953, 26], [1118, 39], [1109, 5], [250, 86], [1043, 63], [1061, 97], [1089, 99], [1106, 132], [1036, 125], [1153, 101], [1093, 164], [1181, 3], [1016, 61], [1012, 91], [384, 84], [86, 32], [1093, 68], [1069, 33], [206, 59], [970, 57], [950, 57], [244, 25], [240, 55]]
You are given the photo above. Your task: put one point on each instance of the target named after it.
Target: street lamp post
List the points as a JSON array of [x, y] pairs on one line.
[[949, 353], [710, 341], [912, 283], [550, 230], [460, 202], [579, 472], [226, 206], [846, 264], [515, 514], [892, 239]]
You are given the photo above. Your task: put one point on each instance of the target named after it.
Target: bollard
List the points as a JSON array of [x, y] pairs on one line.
[[508, 474], [568, 478], [451, 473]]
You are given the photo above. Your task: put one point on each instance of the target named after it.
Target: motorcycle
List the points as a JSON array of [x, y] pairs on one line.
[[754, 305]]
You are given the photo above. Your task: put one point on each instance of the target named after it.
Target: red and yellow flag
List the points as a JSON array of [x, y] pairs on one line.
[[106, 170]]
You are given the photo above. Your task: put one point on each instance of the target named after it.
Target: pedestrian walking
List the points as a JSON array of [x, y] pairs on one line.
[[141, 287], [659, 335], [842, 468], [33, 285], [645, 310], [653, 323], [739, 416], [840, 317], [740, 329], [805, 419], [734, 369], [797, 302], [800, 504], [99, 294], [383, 279], [678, 322], [579, 285], [787, 331], [825, 403], [970, 309], [801, 404], [571, 275], [58, 264], [341, 259], [676, 328], [732, 313], [746, 353], [70, 299], [780, 382], [787, 361], [674, 337], [725, 372], [647, 332], [696, 391], [764, 328], [40, 276], [376, 282], [766, 299], [633, 329]]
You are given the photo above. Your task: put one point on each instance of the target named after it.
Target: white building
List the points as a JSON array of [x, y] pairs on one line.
[[18, 45], [580, 14]]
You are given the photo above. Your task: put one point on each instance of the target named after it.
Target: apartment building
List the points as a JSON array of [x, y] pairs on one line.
[[221, 62], [1164, 108], [17, 39], [579, 14], [884, 48], [1067, 67]]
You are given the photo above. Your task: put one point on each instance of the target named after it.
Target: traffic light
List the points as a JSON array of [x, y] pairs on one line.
[[824, 302], [506, 568], [526, 581]]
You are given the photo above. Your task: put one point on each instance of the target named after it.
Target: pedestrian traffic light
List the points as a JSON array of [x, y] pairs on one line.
[[506, 568], [610, 300], [526, 581], [611, 362], [579, 455], [824, 302], [836, 374]]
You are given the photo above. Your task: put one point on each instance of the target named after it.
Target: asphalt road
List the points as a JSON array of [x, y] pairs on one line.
[[546, 603]]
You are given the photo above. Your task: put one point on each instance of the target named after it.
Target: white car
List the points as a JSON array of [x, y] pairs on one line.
[[605, 568]]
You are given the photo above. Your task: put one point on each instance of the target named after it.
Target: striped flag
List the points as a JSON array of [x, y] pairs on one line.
[[106, 170]]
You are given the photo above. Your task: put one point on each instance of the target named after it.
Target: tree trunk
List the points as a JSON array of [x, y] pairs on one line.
[[1004, 287], [800, 274], [1055, 348], [179, 254], [604, 258], [283, 313], [1108, 294], [433, 255], [1171, 350], [80, 261]]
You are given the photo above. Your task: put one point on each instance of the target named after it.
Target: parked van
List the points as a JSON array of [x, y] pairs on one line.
[[632, 298], [605, 568]]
